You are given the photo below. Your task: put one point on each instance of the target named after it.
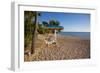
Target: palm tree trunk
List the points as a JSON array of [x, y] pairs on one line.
[[34, 34]]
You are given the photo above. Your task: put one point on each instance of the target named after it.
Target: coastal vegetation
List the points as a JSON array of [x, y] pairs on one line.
[[33, 27]]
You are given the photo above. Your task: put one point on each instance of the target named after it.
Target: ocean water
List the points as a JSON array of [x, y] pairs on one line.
[[84, 35]]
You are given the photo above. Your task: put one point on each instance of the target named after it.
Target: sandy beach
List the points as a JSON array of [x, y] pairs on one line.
[[66, 48]]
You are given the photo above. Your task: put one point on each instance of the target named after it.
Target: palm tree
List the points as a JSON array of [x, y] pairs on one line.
[[30, 31], [28, 25], [34, 33], [54, 23]]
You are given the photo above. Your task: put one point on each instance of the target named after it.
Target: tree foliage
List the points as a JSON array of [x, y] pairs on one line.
[[54, 23], [29, 25]]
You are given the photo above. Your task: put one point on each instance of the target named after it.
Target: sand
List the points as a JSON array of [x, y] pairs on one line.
[[66, 48]]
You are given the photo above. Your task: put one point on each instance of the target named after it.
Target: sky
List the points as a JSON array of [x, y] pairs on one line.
[[72, 22]]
